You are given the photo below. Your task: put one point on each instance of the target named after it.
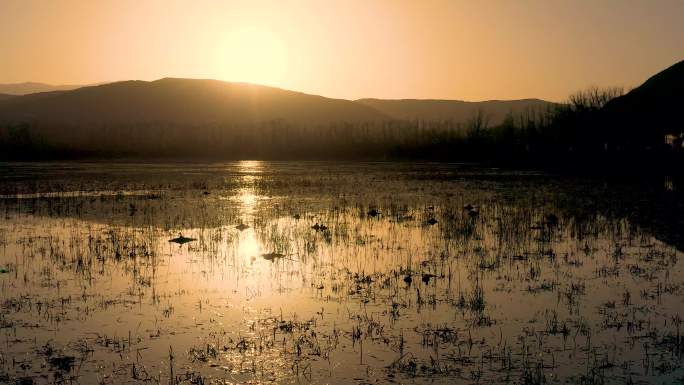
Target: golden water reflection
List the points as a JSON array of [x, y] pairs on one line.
[[467, 298], [249, 173]]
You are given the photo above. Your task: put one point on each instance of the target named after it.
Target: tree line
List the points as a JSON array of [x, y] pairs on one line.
[[574, 133]]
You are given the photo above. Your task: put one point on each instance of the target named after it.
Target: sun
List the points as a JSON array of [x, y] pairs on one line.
[[252, 55]]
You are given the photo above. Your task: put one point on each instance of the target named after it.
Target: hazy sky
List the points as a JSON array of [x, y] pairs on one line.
[[471, 50]]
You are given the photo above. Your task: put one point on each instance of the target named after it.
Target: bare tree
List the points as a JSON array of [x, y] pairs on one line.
[[594, 98], [477, 124]]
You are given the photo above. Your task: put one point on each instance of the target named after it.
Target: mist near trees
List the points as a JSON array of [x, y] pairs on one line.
[[563, 133], [594, 129]]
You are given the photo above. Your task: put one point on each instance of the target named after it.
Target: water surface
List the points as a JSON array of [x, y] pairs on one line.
[[339, 273]]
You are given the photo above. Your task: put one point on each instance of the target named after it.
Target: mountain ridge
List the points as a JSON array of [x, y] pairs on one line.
[[180, 100], [649, 111], [197, 101], [459, 111], [25, 88]]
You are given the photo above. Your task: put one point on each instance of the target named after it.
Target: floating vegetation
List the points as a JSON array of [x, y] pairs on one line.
[[273, 256], [181, 239], [319, 227], [427, 277]]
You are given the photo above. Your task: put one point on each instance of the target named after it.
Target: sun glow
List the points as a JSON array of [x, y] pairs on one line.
[[247, 199], [252, 55]]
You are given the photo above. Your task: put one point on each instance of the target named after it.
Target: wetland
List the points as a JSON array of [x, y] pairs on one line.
[[258, 272]]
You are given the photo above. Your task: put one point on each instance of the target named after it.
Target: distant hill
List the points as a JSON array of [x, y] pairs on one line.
[[199, 101], [182, 101], [32, 87], [456, 110], [175, 118], [648, 112]]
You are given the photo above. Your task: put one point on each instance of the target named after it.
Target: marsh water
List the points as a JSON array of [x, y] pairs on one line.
[[336, 273]]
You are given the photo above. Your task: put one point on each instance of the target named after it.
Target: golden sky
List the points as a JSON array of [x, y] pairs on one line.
[[470, 50]]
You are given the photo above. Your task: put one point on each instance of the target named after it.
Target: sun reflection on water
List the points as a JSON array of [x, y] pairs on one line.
[[249, 173], [247, 197]]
